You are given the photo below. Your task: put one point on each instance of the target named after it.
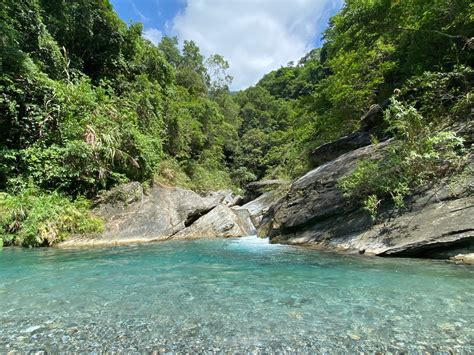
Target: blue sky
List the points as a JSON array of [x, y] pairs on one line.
[[255, 36], [152, 13]]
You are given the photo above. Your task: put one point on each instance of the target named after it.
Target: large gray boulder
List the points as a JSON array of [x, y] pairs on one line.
[[371, 124], [438, 222], [225, 196], [315, 196], [438, 230], [332, 150], [258, 188], [262, 204], [119, 197], [373, 118], [158, 215], [221, 222]]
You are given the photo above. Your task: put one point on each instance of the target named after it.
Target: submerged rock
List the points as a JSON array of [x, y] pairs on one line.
[[32, 329], [464, 258]]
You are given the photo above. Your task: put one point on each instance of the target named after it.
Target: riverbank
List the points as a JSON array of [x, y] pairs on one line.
[[312, 211]]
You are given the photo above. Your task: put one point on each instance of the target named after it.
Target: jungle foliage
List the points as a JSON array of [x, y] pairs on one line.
[[371, 49], [87, 103], [421, 50]]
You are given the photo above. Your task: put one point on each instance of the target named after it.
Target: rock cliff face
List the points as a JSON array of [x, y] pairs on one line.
[[437, 223], [162, 213], [262, 204], [220, 222]]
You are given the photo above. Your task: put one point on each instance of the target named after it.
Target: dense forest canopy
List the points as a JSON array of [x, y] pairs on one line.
[[87, 103]]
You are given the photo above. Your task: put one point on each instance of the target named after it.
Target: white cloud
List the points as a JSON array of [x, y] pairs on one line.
[[255, 36], [153, 34], [140, 14]]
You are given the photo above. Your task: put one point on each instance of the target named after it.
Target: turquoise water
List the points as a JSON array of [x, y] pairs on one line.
[[230, 295]]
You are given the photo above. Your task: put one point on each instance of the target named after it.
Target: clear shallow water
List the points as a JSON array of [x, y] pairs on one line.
[[230, 295]]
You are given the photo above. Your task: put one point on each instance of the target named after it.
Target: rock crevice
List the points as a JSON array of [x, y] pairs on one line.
[[163, 213]]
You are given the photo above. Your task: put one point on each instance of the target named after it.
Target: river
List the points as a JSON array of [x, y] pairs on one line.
[[234, 295]]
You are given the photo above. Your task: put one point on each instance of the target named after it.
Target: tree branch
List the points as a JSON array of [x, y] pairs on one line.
[[437, 32]]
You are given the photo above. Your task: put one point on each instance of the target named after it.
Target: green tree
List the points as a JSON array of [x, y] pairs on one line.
[[169, 47]]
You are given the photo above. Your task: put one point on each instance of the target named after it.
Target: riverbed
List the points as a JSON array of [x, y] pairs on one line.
[[233, 295]]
